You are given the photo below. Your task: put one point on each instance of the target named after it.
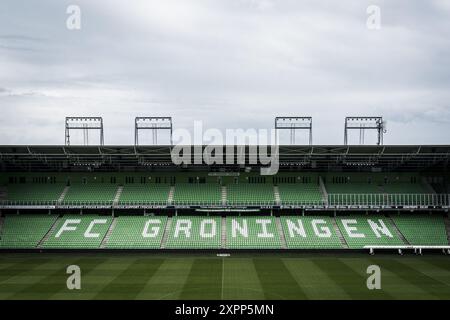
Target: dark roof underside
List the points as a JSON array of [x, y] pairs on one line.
[[149, 158]]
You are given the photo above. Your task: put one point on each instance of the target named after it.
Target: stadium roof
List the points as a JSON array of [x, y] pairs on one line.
[[145, 158]]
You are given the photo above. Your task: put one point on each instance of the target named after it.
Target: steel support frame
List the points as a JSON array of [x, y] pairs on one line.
[[375, 123], [154, 124], [293, 124], [85, 124]]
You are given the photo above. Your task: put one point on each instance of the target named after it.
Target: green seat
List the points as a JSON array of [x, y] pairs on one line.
[[79, 236], [92, 193], [249, 233], [195, 233], [300, 193], [421, 229], [147, 193], [197, 193], [25, 231], [373, 230], [250, 194], [312, 232], [133, 232], [34, 193]]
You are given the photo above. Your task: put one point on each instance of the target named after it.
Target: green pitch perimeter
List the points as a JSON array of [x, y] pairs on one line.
[[241, 276]]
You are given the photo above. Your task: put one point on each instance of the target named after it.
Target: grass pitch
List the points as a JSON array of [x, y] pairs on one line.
[[241, 276]]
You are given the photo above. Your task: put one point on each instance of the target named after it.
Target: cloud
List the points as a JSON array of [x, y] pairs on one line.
[[236, 63]]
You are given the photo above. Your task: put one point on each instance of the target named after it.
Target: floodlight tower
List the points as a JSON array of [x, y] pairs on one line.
[[152, 123], [362, 124], [293, 124], [85, 124]]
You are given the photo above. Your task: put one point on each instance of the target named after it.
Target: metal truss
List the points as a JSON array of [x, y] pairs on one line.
[[85, 124], [293, 124], [362, 124], [152, 123]]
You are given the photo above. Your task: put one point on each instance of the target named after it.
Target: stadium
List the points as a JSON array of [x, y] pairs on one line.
[[237, 158], [140, 226]]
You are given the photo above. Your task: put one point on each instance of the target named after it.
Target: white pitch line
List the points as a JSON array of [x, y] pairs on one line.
[[223, 271]]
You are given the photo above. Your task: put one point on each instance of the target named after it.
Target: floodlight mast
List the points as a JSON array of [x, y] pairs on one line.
[[85, 124], [152, 123], [362, 124], [293, 124]]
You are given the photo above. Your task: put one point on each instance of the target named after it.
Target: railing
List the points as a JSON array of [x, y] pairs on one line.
[[75, 203], [360, 200], [196, 203], [28, 203], [389, 200], [142, 203]]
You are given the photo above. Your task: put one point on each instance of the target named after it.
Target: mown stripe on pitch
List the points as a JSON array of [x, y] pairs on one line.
[[391, 284], [168, 281], [204, 280], [130, 282], [21, 267], [442, 263], [56, 281], [93, 282], [426, 283], [240, 280], [314, 282], [435, 271], [276, 280], [352, 282]]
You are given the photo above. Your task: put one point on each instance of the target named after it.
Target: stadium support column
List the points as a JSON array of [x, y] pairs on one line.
[[362, 124], [293, 124]]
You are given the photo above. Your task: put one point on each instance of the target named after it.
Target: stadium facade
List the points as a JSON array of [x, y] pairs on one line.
[[136, 197]]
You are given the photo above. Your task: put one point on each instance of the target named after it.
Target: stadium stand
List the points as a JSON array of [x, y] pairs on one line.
[[80, 193], [248, 194], [354, 188], [252, 233], [33, 193], [300, 193], [196, 193], [313, 232], [25, 231], [196, 232], [404, 188], [369, 230], [189, 232], [144, 193], [421, 229], [137, 232], [78, 232]]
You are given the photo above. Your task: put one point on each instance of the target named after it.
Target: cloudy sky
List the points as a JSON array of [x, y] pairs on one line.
[[228, 63]]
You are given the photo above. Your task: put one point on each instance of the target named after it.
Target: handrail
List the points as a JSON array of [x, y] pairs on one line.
[[383, 199]]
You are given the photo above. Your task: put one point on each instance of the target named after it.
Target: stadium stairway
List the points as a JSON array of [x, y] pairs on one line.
[[276, 193], [47, 235], [281, 232], [110, 231], [63, 194], [338, 232], [427, 186], [3, 193], [224, 195], [224, 233], [397, 231], [118, 194], [166, 233], [171, 194], [447, 227], [323, 190]]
